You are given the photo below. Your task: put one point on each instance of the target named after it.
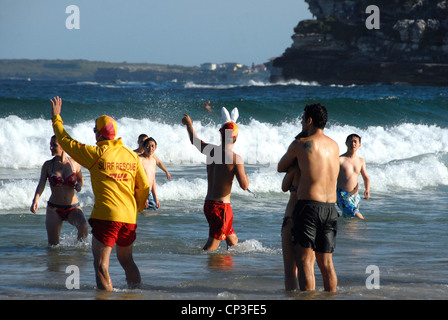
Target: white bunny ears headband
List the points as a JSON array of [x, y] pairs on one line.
[[229, 120], [226, 117]]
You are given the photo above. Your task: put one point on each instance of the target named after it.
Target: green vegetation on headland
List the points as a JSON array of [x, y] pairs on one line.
[[51, 69], [84, 70]]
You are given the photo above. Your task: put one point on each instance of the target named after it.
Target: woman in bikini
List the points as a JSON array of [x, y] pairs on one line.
[[64, 176]]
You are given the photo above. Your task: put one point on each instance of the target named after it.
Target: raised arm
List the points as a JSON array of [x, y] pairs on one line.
[[194, 139], [83, 154]]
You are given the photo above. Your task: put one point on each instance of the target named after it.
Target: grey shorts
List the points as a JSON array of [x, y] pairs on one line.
[[315, 225]]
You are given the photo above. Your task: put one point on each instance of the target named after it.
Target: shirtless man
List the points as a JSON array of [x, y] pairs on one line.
[[149, 163], [351, 166], [222, 166], [141, 139], [315, 215]]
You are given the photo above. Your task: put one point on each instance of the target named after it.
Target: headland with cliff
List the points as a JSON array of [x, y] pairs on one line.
[[409, 45]]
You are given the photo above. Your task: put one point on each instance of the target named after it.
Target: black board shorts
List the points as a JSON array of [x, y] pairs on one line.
[[315, 225]]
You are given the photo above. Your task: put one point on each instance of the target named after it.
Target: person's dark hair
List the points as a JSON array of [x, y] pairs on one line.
[[301, 135], [146, 142], [318, 113], [142, 136], [353, 135]]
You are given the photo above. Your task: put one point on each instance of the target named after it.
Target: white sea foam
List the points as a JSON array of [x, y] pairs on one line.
[[25, 143], [250, 83], [251, 246], [405, 156]]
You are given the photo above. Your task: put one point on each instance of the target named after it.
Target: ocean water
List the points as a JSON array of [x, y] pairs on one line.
[[403, 238]]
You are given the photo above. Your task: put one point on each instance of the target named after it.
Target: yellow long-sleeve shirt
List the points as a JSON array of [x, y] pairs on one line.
[[119, 181]]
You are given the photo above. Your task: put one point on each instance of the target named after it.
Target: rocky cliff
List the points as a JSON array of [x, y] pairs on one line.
[[402, 41]]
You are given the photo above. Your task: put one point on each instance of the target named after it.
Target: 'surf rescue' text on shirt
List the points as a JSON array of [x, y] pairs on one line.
[[117, 166]]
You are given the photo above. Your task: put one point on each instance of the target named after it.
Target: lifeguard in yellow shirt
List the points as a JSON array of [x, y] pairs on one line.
[[120, 187]]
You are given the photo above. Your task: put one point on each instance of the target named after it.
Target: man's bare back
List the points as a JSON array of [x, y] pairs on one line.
[[222, 166], [220, 178], [314, 216], [319, 167], [318, 159]]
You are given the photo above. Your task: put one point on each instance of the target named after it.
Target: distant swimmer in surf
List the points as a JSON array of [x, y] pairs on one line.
[[222, 166], [207, 107], [65, 177], [351, 166]]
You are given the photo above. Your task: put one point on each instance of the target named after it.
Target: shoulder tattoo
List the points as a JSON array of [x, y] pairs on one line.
[[308, 145]]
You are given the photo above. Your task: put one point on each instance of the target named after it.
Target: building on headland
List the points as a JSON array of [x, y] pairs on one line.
[[209, 66], [229, 72], [227, 66]]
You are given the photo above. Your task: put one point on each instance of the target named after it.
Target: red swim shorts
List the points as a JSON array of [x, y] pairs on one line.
[[111, 232], [220, 219]]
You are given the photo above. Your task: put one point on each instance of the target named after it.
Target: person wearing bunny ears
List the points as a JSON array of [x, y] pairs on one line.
[[222, 166]]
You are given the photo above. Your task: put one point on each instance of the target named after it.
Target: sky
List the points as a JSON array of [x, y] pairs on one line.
[[181, 32]]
